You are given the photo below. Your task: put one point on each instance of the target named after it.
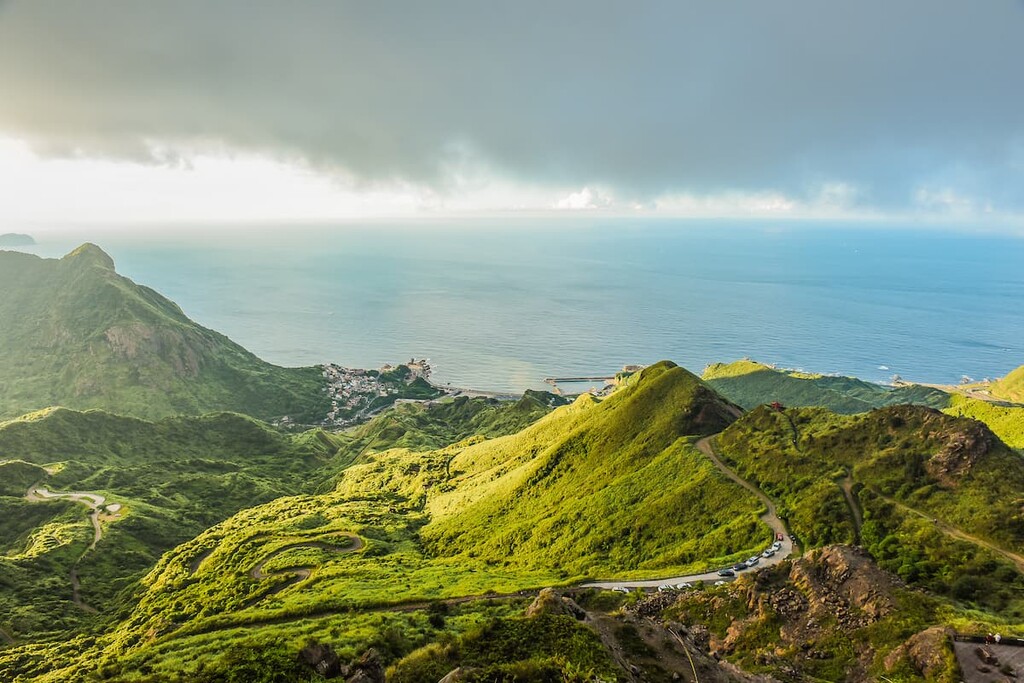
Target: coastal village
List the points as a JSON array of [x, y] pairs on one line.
[[353, 390]]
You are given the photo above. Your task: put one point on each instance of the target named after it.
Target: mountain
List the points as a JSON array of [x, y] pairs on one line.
[[1011, 387], [419, 543], [14, 239], [750, 384], [75, 333], [169, 480], [565, 492], [934, 498], [1005, 420]]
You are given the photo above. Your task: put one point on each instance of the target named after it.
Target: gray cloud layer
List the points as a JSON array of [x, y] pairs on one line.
[[646, 97]]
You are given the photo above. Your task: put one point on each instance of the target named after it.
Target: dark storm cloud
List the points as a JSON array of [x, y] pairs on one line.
[[645, 97]]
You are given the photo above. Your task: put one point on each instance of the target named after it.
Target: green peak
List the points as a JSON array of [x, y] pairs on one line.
[[90, 254], [734, 369]]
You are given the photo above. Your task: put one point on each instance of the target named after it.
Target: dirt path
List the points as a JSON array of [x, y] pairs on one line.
[[6, 637], [769, 517], [301, 573], [846, 484], [951, 530]]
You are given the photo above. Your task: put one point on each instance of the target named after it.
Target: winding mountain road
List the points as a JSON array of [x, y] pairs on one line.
[[95, 503], [769, 517]]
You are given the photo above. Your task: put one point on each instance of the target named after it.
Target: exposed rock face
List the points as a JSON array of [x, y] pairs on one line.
[[322, 659], [928, 652], [550, 602], [367, 669], [842, 582], [962, 449], [831, 593]]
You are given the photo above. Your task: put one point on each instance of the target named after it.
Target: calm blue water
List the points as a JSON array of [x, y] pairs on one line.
[[501, 305]]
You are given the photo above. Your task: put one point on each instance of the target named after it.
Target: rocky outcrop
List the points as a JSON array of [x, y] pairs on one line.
[[929, 652], [843, 582], [322, 659], [550, 602], [961, 450]]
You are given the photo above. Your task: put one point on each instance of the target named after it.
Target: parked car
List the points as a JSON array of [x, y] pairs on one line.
[[621, 589], [721, 583], [739, 566], [768, 553], [664, 588], [726, 572], [777, 546], [779, 537], [684, 585], [753, 561]]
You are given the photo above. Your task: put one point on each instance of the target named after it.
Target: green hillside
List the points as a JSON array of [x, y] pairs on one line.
[[565, 490], [172, 479], [1011, 387], [75, 333], [1005, 420], [750, 384], [940, 496]]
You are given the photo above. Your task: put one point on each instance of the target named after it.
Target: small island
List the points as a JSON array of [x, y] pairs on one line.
[[14, 239]]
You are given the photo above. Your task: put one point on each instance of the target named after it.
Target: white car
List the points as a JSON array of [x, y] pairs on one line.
[[768, 553], [753, 561], [621, 589], [777, 545], [684, 585], [721, 583], [665, 588]]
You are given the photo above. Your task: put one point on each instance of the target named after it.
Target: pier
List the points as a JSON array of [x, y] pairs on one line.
[[555, 380]]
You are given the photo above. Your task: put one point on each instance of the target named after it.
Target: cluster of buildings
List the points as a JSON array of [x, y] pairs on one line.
[[348, 388]]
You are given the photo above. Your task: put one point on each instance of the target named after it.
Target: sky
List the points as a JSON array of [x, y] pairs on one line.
[[127, 111]]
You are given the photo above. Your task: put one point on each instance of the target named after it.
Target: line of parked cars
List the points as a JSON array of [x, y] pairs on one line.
[[751, 561]]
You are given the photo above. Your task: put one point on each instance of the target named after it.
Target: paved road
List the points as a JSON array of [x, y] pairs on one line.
[[94, 502], [971, 665], [769, 517]]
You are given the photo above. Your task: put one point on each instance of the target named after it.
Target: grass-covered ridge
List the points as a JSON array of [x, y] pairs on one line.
[[1011, 387], [750, 384], [1005, 420], [595, 488], [936, 499], [75, 333], [173, 479]]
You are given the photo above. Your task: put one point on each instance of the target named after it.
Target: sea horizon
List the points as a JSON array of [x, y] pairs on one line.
[[501, 305]]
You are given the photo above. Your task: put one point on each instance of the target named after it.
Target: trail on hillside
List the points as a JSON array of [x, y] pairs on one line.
[[6, 637], [770, 516], [301, 573], [951, 530], [846, 485], [94, 502]]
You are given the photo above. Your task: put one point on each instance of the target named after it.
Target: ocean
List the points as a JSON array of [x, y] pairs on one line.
[[502, 304]]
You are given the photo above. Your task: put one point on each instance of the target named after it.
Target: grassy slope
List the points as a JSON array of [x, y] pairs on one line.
[[594, 461], [894, 457], [175, 478], [75, 333], [422, 427], [567, 491], [1011, 387], [751, 384], [1006, 421]]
